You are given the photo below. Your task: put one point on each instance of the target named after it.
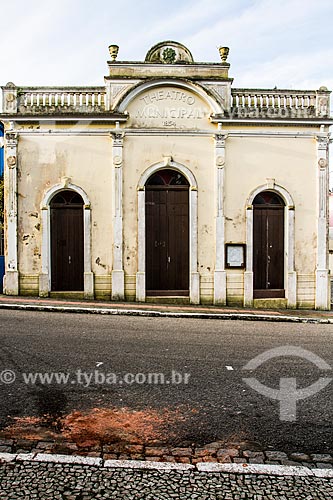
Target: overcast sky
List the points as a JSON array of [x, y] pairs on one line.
[[283, 43]]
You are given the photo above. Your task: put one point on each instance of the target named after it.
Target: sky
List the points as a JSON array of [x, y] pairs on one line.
[[282, 43]]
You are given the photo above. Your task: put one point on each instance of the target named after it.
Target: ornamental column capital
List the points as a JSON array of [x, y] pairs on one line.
[[11, 138], [220, 139], [322, 142]]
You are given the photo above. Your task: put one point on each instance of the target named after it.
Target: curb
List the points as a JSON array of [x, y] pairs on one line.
[[257, 469], [167, 314]]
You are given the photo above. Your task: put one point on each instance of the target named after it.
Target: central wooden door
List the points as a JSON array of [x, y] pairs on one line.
[[268, 246], [67, 256], [167, 234]]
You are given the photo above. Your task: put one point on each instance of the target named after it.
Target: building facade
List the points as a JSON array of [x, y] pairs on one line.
[[2, 250], [168, 182]]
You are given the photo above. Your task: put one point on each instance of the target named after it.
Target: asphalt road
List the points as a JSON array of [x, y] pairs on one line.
[[215, 403]]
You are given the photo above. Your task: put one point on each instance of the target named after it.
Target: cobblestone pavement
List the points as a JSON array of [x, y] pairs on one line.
[[212, 452], [49, 481]]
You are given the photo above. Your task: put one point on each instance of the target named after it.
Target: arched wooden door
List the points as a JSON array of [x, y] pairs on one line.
[[167, 234], [268, 245], [67, 247]]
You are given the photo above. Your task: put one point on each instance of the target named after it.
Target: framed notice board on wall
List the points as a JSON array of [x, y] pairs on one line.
[[235, 255]]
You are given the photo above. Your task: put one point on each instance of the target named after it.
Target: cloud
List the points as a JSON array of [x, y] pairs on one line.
[[284, 43]]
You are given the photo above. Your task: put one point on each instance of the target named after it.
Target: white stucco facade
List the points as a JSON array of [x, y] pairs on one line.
[[170, 113]]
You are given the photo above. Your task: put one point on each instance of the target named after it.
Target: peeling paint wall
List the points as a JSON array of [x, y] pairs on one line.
[[43, 162], [250, 161]]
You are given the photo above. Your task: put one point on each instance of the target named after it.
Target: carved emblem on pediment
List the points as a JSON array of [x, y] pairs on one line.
[[169, 55]]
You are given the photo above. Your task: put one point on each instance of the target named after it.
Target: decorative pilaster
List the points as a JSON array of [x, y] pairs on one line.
[[11, 279], [322, 271], [292, 275], [118, 278], [220, 277], [45, 275], [194, 274], [141, 274], [88, 274], [248, 274]]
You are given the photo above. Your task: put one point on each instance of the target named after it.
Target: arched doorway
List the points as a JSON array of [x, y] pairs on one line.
[[167, 233], [67, 245], [268, 245]]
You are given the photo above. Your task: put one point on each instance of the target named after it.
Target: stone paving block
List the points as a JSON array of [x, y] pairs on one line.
[[203, 452], [151, 459], [46, 445], [181, 452], [289, 462], [317, 457], [110, 456], [309, 464], [253, 454], [324, 465], [6, 442], [26, 444], [299, 457], [238, 460], [223, 459], [137, 456], [169, 458], [134, 448], [232, 452], [66, 448], [90, 454], [156, 451], [276, 455], [113, 448], [256, 460], [214, 446], [209, 459]]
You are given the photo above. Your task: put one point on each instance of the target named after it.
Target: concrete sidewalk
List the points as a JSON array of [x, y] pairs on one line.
[[166, 310]]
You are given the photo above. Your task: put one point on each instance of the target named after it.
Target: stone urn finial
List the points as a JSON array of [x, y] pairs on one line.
[[113, 49], [224, 52]]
